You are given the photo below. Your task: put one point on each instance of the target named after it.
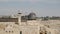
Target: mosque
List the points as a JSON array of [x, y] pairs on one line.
[[28, 24]]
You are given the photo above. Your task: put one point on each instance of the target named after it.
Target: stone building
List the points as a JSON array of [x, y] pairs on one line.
[[29, 26]]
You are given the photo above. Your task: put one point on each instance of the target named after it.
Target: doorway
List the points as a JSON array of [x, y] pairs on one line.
[[20, 32]]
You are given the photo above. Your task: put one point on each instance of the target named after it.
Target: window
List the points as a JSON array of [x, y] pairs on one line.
[[6, 31], [12, 31], [45, 32], [9, 31], [20, 32], [41, 33]]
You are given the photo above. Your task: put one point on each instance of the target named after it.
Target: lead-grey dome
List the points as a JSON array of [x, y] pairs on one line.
[[32, 15]]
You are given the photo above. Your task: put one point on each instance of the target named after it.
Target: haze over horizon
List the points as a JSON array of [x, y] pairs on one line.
[[40, 7]]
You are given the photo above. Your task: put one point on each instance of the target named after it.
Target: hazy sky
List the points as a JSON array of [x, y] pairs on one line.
[[40, 7]]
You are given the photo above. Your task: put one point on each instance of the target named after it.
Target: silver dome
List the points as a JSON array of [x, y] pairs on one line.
[[32, 16]]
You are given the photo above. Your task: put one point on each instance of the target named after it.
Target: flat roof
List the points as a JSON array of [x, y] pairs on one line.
[[8, 19]]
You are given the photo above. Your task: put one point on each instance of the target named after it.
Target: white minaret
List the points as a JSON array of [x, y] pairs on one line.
[[19, 17]]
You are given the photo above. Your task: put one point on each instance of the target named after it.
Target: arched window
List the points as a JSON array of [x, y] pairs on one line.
[[41, 33], [12, 31], [9, 31], [20, 32], [6, 31]]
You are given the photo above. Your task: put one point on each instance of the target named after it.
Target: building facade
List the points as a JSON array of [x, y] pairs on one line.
[[32, 26]]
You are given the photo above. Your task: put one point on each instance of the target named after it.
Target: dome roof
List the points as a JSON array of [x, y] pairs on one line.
[[32, 13], [32, 16]]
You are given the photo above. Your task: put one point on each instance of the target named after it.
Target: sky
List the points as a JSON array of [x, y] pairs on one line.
[[40, 7]]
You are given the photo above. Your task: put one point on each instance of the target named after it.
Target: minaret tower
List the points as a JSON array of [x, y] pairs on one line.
[[19, 17]]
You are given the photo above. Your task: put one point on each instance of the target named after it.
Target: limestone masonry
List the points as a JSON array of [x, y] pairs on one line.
[[28, 24]]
